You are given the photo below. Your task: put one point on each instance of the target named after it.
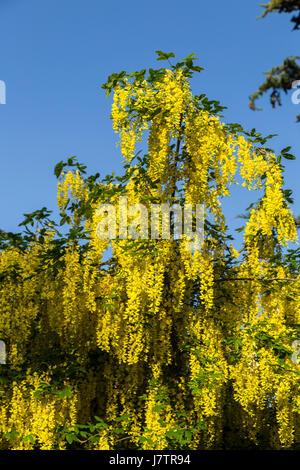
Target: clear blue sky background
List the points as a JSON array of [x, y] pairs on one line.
[[55, 54]]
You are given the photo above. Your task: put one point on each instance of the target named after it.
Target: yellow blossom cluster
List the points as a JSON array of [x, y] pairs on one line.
[[163, 345]]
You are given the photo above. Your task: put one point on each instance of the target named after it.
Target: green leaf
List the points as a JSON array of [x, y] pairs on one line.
[[29, 437], [71, 438], [66, 392], [58, 169], [12, 434], [288, 156], [164, 55], [159, 407]]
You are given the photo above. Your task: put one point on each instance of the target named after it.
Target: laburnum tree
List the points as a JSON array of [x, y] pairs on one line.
[[285, 76], [141, 343]]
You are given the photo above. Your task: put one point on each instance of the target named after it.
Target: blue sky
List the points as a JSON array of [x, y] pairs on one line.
[[56, 54]]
